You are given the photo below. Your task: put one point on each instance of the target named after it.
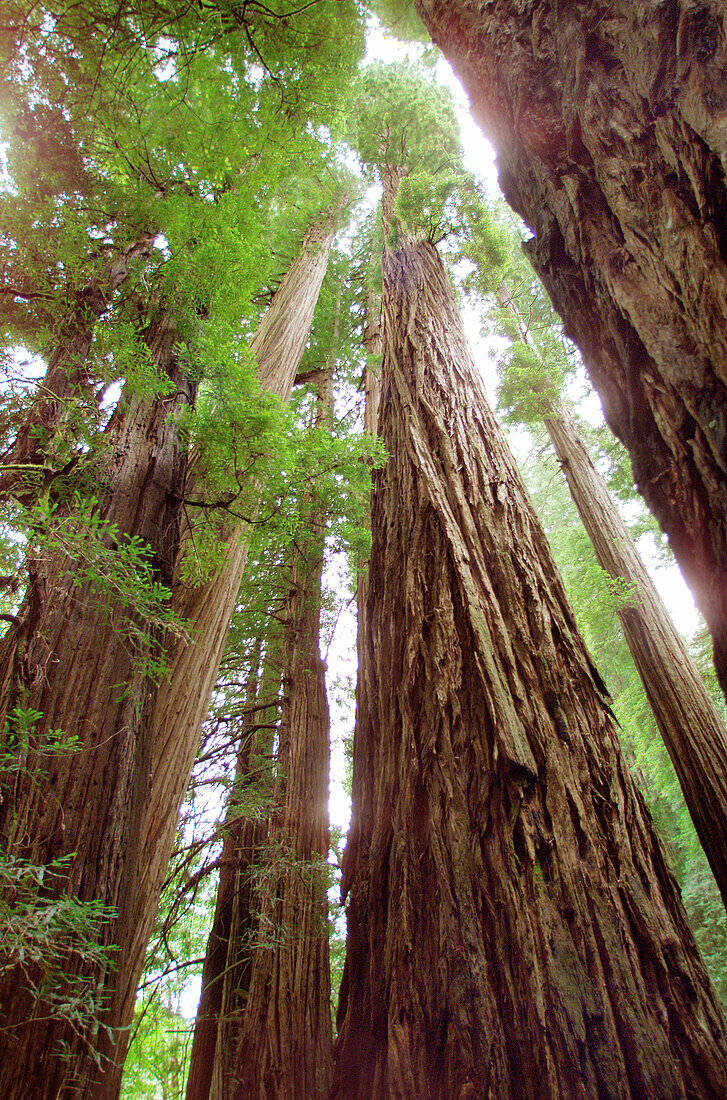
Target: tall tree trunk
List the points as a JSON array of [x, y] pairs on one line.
[[689, 722], [286, 1041], [80, 657], [513, 928], [609, 127], [221, 977], [65, 384], [275, 1011], [178, 712]]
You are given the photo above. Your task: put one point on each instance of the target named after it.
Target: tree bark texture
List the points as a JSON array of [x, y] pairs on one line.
[[222, 980], [286, 1038], [688, 720], [65, 384], [178, 712], [513, 927], [609, 124], [78, 655], [285, 1044]]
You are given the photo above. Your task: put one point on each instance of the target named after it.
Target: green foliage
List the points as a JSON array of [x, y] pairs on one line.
[[400, 16], [115, 572], [402, 118], [19, 734], [528, 387], [121, 354], [157, 1061], [52, 939]]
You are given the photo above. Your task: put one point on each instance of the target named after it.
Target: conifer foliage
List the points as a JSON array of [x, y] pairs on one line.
[[186, 350]]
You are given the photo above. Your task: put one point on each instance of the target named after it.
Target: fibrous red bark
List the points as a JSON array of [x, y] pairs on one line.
[[178, 712], [79, 657], [513, 928], [687, 718], [285, 1036], [609, 124]]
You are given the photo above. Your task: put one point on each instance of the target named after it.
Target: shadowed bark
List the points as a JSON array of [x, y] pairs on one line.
[[513, 928], [688, 720], [608, 122], [80, 656], [285, 1040]]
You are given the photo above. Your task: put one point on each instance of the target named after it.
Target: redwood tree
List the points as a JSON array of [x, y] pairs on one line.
[[182, 699], [513, 928], [685, 713], [83, 657], [608, 125], [264, 1023], [285, 1040]]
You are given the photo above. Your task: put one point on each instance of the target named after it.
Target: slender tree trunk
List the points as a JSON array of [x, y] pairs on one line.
[[178, 712], [80, 656], [246, 845], [286, 1040], [608, 122], [689, 722], [219, 975], [513, 928], [65, 384]]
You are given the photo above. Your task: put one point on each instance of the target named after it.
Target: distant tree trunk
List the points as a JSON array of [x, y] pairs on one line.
[[283, 1039], [178, 713], [285, 1046], [688, 720], [513, 928], [609, 127], [80, 656], [65, 384], [245, 843], [221, 977]]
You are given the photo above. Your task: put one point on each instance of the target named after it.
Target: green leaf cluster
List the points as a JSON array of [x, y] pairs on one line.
[[528, 389], [53, 940]]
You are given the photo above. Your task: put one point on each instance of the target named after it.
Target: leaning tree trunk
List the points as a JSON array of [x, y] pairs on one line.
[[29, 465], [81, 656], [285, 1046], [514, 930], [608, 121], [688, 720], [178, 713]]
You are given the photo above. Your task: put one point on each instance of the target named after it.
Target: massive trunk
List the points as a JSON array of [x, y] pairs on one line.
[[609, 125], [514, 930], [31, 461], [178, 711], [688, 720], [81, 655]]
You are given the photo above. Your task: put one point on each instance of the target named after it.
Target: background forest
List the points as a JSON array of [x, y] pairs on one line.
[[196, 199]]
